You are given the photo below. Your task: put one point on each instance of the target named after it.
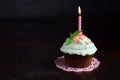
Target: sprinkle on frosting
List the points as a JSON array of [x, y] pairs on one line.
[[68, 40], [78, 37]]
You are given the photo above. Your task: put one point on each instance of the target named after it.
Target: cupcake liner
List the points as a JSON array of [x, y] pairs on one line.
[[62, 65]]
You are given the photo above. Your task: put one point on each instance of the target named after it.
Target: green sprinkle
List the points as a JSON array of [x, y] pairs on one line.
[[74, 34], [68, 41], [70, 35]]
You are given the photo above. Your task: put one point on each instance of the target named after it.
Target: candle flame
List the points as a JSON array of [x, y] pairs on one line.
[[79, 10]]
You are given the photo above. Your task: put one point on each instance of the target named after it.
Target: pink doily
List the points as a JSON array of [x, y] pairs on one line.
[[61, 65]]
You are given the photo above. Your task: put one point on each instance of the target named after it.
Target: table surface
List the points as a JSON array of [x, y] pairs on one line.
[[33, 59]]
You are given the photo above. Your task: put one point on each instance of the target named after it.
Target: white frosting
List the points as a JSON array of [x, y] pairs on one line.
[[80, 48]]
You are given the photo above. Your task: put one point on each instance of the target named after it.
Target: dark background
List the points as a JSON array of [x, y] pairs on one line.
[[53, 8], [32, 31], [58, 18]]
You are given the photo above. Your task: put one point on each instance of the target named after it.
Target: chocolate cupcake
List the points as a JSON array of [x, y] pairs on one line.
[[78, 50]]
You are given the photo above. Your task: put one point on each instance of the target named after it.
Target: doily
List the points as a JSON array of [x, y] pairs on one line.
[[61, 65]]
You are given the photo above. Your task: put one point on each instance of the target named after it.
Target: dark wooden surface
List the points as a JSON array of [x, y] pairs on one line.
[[28, 51]]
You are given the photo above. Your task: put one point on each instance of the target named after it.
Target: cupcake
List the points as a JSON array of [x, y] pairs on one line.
[[78, 50]]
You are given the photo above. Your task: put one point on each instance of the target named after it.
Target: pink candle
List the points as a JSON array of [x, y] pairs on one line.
[[79, 23], [79, 19]]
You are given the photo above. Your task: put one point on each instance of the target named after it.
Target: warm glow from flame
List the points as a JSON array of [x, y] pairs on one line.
[[79, 10]]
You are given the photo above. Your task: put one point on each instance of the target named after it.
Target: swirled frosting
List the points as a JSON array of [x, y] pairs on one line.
[[80, 45]]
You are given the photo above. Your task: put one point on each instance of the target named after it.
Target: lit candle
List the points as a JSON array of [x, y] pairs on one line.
[[79, 19]]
